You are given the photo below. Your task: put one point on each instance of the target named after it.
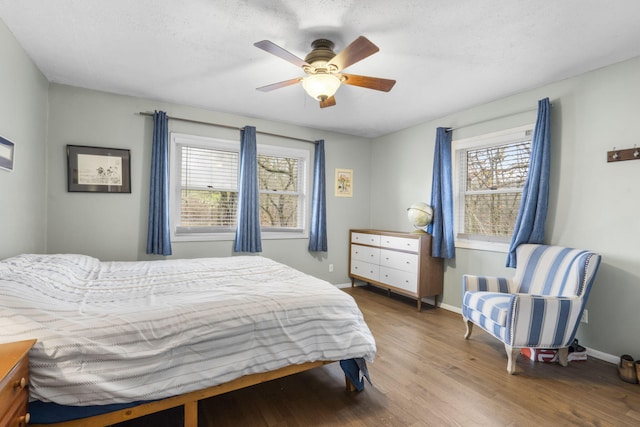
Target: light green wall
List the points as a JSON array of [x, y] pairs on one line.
[[23, 121], [593, 204], [114, 226]]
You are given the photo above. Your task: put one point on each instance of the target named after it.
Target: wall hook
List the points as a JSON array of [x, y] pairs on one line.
[[615, 156], [626, 154]]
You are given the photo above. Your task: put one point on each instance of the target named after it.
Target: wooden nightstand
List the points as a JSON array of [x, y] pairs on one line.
[[14, 380]]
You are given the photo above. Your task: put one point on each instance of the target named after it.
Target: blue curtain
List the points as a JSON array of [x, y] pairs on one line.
[[441, 228], [318, 228], [159, 232], [529, 226], [248, 237]]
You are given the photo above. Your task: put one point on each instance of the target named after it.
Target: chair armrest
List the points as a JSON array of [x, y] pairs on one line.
[[545, 321], [486, 283]]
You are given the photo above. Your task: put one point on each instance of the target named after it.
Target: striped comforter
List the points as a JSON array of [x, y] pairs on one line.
[[115, 332]]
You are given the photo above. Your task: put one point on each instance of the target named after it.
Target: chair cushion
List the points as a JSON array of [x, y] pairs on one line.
[[492, 305]]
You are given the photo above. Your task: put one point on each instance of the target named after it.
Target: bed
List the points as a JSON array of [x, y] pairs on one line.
[[130, 338]]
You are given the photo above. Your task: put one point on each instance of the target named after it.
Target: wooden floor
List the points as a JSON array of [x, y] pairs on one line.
[[426, 374]]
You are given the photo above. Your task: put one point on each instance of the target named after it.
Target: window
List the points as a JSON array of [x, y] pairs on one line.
[[490, 173], [204, 189]]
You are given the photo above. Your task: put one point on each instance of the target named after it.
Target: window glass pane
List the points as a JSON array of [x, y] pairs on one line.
[[279, 210], [206, 168], [491, 214], [202, 208], [498, 167], [278, 173]]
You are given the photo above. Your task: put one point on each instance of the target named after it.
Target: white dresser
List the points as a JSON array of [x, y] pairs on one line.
[[398, 262]]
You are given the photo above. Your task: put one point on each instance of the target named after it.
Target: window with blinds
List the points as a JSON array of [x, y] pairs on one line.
[[204, 186], [208, 189], [491, 171]]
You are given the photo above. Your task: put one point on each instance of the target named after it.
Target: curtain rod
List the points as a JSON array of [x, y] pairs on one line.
[[146, 113], [492, 119]]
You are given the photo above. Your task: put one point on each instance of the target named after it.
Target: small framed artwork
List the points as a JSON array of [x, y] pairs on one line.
[[98, 169], [7, 150], [344, 183]]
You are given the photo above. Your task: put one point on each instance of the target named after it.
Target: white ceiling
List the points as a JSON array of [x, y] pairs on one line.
[[445, 55]]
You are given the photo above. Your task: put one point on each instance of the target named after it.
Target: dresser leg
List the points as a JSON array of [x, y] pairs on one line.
[[419, 304]]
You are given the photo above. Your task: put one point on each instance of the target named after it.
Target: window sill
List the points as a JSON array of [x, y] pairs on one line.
[[206, 237], [483, 245]]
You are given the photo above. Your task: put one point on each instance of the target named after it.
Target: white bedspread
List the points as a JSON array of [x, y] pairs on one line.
[[118, 332]]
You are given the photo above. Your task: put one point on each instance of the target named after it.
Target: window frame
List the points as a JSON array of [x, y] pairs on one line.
[[180, 139], [502, 137]]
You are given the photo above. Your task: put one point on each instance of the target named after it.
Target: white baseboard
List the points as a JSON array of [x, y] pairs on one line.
[[343, 285]]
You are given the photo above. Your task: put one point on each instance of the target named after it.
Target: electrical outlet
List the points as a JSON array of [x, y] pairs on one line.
[[585, 316], [330, 268]]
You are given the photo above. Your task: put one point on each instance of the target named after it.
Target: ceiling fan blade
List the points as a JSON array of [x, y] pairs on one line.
[[359, 49], [276, 50], [376, 83], [329, 102], [278, 85]]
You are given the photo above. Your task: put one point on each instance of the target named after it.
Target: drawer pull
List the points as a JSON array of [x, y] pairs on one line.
[[22, 383], [24, 420]]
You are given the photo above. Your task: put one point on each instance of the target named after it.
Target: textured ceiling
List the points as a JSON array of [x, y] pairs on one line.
[[445, 55]]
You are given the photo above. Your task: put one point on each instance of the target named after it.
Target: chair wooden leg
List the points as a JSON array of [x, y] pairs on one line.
[[563, 356], [469, 324], [512, 355]]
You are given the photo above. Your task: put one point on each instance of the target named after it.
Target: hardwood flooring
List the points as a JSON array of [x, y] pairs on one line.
[[426, 374]]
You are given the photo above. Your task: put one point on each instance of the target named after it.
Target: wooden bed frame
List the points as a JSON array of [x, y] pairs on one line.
[[189, 400]]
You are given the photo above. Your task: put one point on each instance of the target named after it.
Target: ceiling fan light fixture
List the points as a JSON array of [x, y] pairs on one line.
[[321, 86]]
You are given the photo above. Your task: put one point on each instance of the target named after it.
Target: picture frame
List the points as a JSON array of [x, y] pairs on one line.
[[344, 183], [7, 153], [98, 169]]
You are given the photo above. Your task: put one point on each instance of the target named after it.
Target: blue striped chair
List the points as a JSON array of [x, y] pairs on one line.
[[539, 307]]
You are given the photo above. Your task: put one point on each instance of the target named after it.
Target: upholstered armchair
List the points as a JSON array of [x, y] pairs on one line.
[[540, 307]]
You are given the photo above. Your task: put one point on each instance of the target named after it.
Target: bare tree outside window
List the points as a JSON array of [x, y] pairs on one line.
[[278, 183]]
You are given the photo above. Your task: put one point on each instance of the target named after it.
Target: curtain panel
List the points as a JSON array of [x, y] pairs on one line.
[[529, 227], [318, 226], [441, 228], [248, 237], [159, 232]]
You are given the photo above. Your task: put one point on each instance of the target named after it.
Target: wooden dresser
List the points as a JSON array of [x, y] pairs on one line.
[[14, 381], [399, 262]]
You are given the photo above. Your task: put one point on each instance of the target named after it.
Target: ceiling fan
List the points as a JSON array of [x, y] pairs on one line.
[[324, 68]]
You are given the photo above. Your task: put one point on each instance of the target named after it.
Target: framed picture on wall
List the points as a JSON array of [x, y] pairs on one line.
[[344, 183], [7, 150], [98, 169]]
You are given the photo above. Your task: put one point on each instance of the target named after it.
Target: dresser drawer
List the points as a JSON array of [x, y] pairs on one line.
[[402, 243], [399, 260], [14, 385], [365, 270], [399, 279], [365, 253], [365, 239], [16, 413]]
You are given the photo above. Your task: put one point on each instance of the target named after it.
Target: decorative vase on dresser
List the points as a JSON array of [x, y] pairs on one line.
[[396, 261]]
